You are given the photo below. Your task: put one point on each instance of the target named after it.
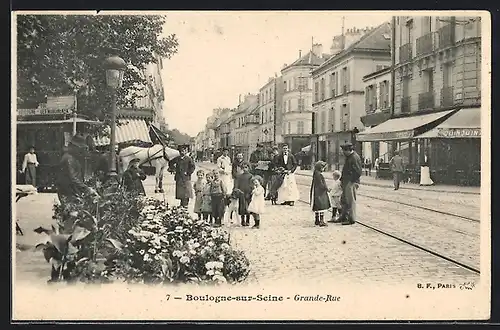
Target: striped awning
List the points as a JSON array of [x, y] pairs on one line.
[[129, 130]]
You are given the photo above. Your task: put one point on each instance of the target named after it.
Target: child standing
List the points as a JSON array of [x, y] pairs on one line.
[[256, 206], [244, 188], [319, 194], [336, 194], [218, 195], [198, 192], [206, 199]]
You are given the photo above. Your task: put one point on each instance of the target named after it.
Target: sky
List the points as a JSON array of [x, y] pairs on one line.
[[224, 54]]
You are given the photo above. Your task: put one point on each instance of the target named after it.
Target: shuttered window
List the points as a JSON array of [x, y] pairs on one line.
[[345, 117], [316, 91], [331, 120], [367, 99]]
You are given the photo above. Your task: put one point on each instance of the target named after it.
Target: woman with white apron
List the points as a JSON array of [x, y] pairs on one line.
[[425, 173], [225, 169]]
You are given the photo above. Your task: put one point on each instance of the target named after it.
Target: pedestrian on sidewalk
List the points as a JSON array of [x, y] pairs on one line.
[[368, 166], [336, 195], [276, 176], [244, 189], [183, 168], [133, 177], [30, 163], [206, 199], [225, 169], [425, 173], [198, 187], [319, 194], [218, 194], [397, 167], [351, 172], [377, 166], [257, 203]]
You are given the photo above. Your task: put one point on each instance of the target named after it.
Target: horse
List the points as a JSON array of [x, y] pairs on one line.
[[158, 156]]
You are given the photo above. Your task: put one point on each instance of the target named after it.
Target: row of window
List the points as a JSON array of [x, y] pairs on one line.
[[267, 95], [297, 83], [337, 84], [326, 122], [377, 96], [300, 129], [266, 115]]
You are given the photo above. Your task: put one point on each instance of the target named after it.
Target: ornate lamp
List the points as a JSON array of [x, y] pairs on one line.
[[115, 68]]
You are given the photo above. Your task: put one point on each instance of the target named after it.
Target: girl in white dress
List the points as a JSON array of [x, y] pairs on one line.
[[257, 204]]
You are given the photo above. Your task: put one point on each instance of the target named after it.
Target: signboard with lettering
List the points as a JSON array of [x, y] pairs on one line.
[[42, 111], [386, 136], [459, 132]]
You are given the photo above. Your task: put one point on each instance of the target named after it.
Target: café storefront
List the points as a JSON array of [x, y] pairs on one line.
[[451, 139]]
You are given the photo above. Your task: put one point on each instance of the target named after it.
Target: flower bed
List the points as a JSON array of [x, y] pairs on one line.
[[124, 237]]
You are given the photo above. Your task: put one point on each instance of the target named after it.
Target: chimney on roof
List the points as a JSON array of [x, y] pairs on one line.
[[300, 53], [317, 49]]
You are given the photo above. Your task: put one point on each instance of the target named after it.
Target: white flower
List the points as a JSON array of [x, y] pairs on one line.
[[177, 253], [209, 265], [196, 245], [184, 260], [132, 232], [178, 228], [73, 213], [141, 252], [146, 257], [210, 243], [152, 251], [210, 272], [162, 230], [157, 257], [224, 246], [144, 239], [218, 265], [219, 278], [221, 258], [193, 252]]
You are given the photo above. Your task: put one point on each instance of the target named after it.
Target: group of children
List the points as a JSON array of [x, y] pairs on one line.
[[212, 197], [323, 197]]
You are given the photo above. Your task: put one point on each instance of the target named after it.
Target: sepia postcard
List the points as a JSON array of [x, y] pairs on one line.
[[251, 165]]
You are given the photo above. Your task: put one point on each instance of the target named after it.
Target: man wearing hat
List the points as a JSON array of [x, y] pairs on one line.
[[257, 168], [351, 172], [183, 168], [70, 181], [30, 163], [133, 177]]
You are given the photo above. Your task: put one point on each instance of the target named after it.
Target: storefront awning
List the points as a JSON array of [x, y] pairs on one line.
[[129, 130], [402, 128], [65, 121], [466, 123]]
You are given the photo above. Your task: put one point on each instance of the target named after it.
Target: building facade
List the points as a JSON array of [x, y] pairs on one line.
[[437, 103], [298, 98], [339, 93], [267, 113], [377, 110]]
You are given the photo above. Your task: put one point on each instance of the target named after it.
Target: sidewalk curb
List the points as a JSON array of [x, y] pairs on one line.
[[406, 188]]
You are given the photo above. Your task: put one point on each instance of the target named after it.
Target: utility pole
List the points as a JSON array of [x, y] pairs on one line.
[[393, 63], [75, 114], [343, 36]]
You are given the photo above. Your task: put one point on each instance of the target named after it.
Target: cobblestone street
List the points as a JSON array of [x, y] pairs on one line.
[[289, 247]]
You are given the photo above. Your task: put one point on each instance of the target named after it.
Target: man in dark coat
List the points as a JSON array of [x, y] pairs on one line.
[[351, 172], [261, 170], [237, 165], [133, 177], [183, 169], [70, 181]]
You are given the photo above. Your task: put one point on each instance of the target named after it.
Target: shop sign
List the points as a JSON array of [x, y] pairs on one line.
[[401, 135], [459, 132], [42, 111]]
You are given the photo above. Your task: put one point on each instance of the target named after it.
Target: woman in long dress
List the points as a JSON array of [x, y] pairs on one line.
[[288, 193], [425, 173]]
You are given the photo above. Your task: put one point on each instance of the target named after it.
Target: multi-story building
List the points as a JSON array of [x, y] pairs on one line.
[[221, 133], [338, 98], [377, 110], [270, 112], [297, 98], [437, 96], [240, 131], [252, 123]]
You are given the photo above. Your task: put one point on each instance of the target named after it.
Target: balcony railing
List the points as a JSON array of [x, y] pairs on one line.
[[447, 97], [426, 101], [405, 104], [425, 44], [405, 53], [446, 36]]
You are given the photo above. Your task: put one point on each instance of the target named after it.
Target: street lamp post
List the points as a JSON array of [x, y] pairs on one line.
[[115, 68]]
